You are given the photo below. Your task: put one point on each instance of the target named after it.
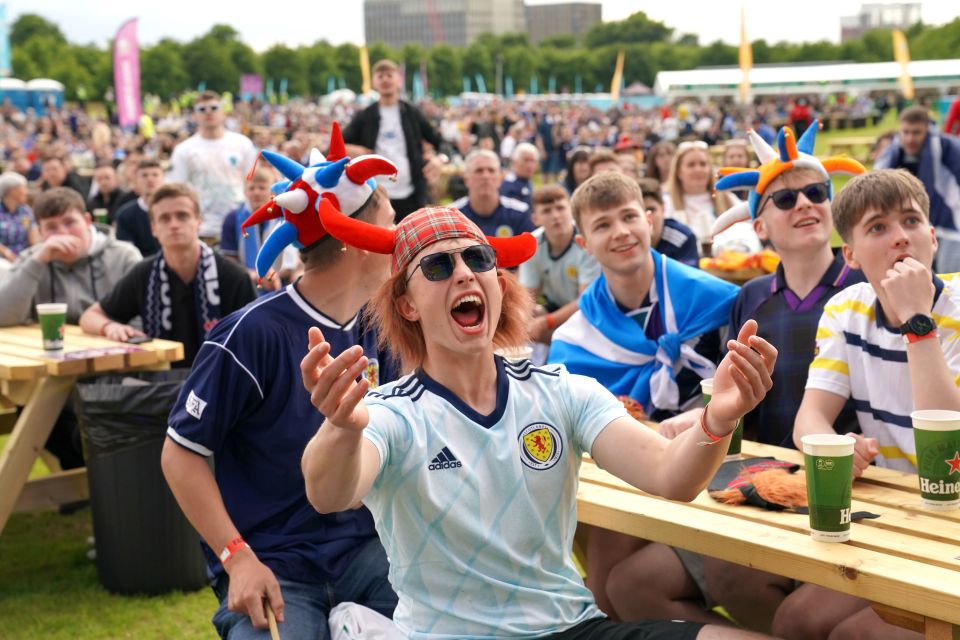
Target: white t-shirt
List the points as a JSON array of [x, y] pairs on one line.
[[216, 169], [860, 358], [697, 213], [560, 277], [391, 144], [477, 513]]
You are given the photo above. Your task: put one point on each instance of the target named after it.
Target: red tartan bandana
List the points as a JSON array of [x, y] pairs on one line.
[[428, 226]]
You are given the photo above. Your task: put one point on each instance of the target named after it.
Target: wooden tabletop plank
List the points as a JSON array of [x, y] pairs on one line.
[[55, 365], [918, 537], [931, 590], [132, 356], [17, 368]]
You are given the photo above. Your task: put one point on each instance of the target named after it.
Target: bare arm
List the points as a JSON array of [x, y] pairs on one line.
[[354, 150], [339, 465], [96, 322], [196, 491], [679, 469]]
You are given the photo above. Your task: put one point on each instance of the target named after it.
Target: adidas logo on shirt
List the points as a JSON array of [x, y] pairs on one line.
[[444, 460]]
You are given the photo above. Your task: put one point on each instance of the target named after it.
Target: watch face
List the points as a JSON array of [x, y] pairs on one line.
[[921, 325]]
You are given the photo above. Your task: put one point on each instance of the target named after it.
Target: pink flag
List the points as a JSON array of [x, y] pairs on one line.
[[126, 73]]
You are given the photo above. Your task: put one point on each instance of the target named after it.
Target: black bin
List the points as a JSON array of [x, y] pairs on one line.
[[144, 543]]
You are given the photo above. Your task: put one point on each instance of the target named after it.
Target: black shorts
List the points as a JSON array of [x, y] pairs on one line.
[[605, 629]]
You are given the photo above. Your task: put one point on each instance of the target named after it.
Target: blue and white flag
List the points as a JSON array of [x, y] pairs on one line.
[[602, 342]]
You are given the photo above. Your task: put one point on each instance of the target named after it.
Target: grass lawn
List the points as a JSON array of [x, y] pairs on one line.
[[49, 589]]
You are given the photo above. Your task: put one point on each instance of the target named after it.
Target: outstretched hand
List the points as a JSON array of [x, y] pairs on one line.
[[744, 376], [332, 382]]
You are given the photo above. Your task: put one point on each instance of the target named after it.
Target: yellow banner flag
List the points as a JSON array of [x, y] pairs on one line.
[[901, 53], [746, 59], [365, 69], [617, 78]]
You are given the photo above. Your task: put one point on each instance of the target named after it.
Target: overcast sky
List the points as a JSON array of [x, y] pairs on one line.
[[262, 24]]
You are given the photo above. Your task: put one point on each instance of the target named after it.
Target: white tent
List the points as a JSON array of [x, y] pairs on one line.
[[821, 78]]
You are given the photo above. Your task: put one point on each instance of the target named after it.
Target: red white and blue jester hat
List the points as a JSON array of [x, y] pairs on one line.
[[346, 184], [790, 154]]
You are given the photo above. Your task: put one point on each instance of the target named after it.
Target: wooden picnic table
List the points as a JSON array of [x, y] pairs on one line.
[[906, 562], [41, 382]]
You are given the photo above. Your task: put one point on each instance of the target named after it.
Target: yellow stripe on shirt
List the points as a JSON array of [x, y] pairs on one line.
[[823, 332], [856, 306], [838, 366], [892, 451]]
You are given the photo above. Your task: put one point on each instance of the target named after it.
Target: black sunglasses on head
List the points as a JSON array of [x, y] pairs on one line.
[[440, 266], [786, 199]]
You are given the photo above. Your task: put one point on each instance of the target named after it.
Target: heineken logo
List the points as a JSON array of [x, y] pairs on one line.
[[825, 464], [954, 463], [939, 487]]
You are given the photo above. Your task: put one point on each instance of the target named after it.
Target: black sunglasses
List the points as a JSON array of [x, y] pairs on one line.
[[208, 107], [786, 199], [440, 266]]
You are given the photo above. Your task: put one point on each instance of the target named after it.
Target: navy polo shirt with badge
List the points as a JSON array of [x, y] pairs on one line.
[[511, 218], [517, 188], [789, 324], [679, 242], [245, 404]]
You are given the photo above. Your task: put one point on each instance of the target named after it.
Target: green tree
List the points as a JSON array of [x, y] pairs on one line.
[[347, 57], [445, 66], [161, 69], [717, 54], [30, 26], [558, 42], [280, 61], [320, 65], [635, 29], [207, 60]]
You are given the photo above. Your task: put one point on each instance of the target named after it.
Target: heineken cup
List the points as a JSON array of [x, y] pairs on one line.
[[52, 317], [829, 469], [733, 450], [937, 436]]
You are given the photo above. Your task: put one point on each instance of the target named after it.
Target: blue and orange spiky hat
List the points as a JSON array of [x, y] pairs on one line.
[[347, 184], [793, 154]]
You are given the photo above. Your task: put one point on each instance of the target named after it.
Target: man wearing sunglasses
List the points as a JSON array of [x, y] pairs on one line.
[[214, 162], [469, 464]]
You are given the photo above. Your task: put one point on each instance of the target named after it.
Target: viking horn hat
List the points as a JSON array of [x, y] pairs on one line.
[[344, 183], [419, 230], [790, 154]]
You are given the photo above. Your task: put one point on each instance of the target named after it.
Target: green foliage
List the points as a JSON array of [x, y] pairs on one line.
[[218, 57], [636, 28]]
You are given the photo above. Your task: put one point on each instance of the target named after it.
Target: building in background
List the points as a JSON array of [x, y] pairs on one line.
[[431, 22], [899, 15], [561, 19]]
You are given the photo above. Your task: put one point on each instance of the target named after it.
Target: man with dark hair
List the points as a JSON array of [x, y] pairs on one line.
[[55, 172], [396, 130], [74, 263], [180, 293], [935, 160], [244, 404], [133, 222], [213, 161], [109, 195]]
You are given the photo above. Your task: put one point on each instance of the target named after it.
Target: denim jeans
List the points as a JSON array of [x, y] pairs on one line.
[[306, 606]]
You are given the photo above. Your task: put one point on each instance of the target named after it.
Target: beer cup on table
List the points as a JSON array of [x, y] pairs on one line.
[[828, 461]]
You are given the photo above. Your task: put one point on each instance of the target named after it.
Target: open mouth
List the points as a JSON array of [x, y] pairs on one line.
[[468, 311], [806, 222], [626, 248], [901, 257]]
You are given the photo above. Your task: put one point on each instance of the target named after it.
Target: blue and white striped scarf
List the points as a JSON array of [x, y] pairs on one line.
[[157, 318], [602, 342]]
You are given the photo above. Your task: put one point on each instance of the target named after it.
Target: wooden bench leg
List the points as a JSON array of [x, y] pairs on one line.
[[29, 435]]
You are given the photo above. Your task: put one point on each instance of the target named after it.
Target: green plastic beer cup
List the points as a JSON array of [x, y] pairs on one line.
[[829, 471], [937, 436], [100, 215], [733, 450], [52, 317]]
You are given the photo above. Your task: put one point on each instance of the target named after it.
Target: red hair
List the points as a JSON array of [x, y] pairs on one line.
[[404, 338]]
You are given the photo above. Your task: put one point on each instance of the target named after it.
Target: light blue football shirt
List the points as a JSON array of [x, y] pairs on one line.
[[477, 513]]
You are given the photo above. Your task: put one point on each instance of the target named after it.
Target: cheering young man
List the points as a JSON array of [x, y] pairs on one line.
[[469, 464]]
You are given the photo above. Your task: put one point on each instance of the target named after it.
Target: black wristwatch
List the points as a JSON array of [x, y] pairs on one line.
[[918, 327]]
